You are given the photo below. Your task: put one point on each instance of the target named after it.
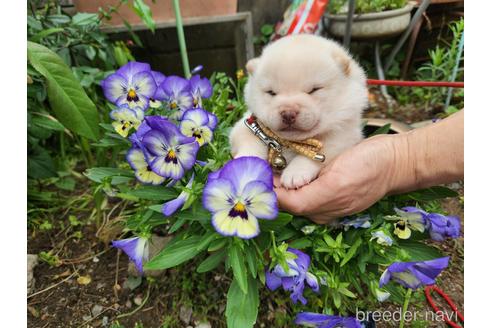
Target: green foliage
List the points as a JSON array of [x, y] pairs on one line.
[[69, 102], [242, 307], [366, 6], [440, 68], [266, 32]]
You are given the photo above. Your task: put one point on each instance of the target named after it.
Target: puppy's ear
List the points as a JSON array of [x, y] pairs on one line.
[[251, 65], [343, 60]]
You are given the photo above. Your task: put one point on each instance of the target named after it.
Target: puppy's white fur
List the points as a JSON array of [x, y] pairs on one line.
[[317, 79]]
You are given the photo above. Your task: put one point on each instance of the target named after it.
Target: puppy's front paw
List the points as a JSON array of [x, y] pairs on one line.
[[299, 172]]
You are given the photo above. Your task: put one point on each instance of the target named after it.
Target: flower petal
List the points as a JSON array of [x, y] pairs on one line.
[[235, 226], [136, 248], [186, 154], [114, 88], [272, 280], [243, 170], [170, 207], [156, 142], [131, 68], [218, 195], [167, 169], [144, 84], [261, 201]]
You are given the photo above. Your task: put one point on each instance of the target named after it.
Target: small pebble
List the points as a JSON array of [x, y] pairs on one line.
[[96, 310], [95, 259]]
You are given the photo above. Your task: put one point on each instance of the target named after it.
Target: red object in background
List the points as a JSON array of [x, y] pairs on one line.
[[302, 16], [400, 83], [445, 296]]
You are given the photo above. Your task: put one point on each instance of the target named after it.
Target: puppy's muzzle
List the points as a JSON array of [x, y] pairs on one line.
[[289, 116]]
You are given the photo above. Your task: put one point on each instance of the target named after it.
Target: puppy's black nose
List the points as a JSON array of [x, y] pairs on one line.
[[289, 116]]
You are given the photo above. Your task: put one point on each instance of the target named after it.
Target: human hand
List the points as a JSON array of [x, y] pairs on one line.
[[352, 182]]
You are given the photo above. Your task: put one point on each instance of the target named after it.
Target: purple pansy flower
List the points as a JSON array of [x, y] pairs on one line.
[[172, 153], [200, 88], [381, 237], [295, 278], [175, 91], [132, 84], [439, 226], [170, 207], [238, 195], [159, 78], [196, 123], [326, 321], [414, 274], [137, 249]]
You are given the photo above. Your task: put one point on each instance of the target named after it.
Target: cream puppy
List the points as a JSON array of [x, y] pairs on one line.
[[303, 86]]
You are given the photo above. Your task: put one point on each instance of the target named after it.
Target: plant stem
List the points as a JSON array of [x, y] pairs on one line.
[[405, 307], [181, 39]]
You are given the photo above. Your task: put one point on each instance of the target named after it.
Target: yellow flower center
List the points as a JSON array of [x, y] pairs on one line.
[[171, 154], [239, 207], [173, 105], [132, 93]]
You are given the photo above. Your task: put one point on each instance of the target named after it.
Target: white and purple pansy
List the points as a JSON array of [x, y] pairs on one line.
[[137, 249], [439, 226], [363, 221], [240, 194], [170, 207], [414, 274], [132, 84], [176, 92], [125, 119], [318, 320], [140, 165], [159, 78], [172, 153], [200, 89], [294, 280], [199, 124], [406, 221], [381, 237]]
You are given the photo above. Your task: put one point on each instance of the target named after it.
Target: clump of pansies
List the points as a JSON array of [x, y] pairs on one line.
[[166, 123]]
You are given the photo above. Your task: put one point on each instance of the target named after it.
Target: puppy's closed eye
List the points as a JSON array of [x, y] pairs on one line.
[[271, 93], [314, 89]]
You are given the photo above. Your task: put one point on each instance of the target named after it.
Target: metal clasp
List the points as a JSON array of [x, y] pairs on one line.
[[257, 131]]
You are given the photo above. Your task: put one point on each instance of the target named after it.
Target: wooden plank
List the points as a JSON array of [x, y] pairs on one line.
[[238, 17]]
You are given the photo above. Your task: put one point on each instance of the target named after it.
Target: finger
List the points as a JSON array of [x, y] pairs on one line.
[[305, 200], [321, 219]]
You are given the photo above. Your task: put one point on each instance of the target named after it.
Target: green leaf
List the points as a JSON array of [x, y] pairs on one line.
[[174, 254], [301, 243], [45, 33], [46, 122], [153, 193], [97, 174], [382, 130], [144, 12], [71, 105], [351, 252], [433, 193], [272, 225], [419, 251], [207, 239], [238, 267], [212, 261], [242, 308], [40, 165], [82, 19], [251, 260]]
